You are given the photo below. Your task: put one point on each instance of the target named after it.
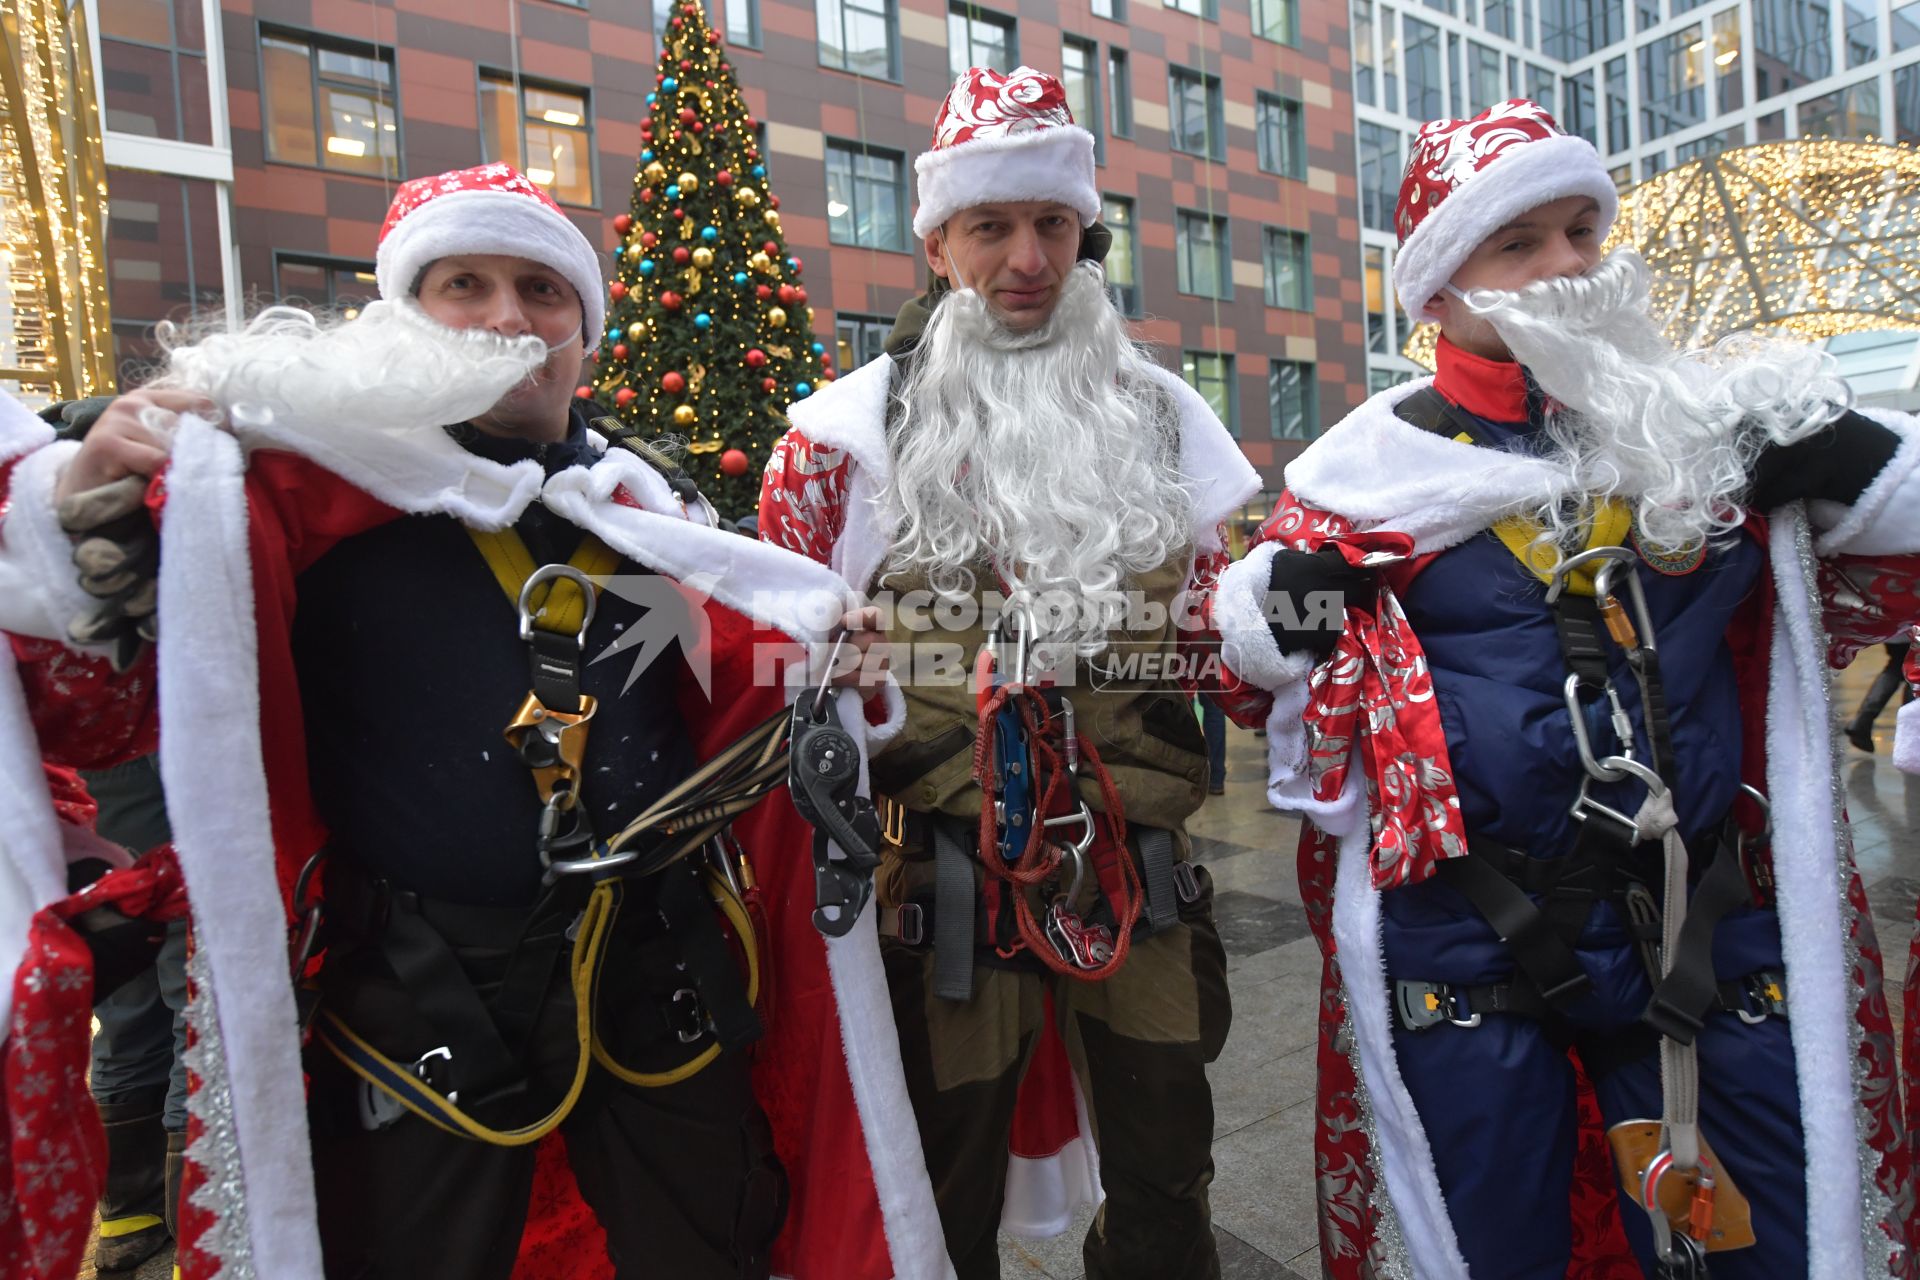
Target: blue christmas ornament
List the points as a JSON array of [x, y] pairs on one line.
[[646, 266], [709, 234], [703, 321], [670, 84], [673, 192], [652, 98], [819, 349], [802, 390], [645, 156], [740, 277], [759, 171], [619, 249], [613, 335], [793, 264]]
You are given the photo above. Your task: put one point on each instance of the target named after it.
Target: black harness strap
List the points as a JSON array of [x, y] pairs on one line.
[[711, 968], [1539, 952], [1680, 1003]]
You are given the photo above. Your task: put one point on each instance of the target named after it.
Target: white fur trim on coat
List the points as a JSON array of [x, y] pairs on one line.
[[39, 587], [1041, 164], [1906, 738], [502, 222], [1885, 520], [1240, 615], [1524, 178]]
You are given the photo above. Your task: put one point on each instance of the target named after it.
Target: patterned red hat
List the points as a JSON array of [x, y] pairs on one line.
[[1005, 137], [1448, 205], [492, 208]]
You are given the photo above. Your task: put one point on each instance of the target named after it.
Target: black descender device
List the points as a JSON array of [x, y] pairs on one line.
[[823, 770]]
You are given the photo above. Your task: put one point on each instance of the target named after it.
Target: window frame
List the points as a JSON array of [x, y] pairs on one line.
[[1303, 288], [1214, 101], [328, 263], [1309, 398], [484, 74], [891, 17], [1223, 267], [1119, 92], [1229, 380], [1091, 49], [970, 13], [864, 323], [1255, 9], [1126, 297], [856, 147], [314, 42], [1295, 139], [718, 11], [1207, 10]]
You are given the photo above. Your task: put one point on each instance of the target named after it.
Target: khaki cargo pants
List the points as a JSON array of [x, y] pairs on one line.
[[1139, 1043]]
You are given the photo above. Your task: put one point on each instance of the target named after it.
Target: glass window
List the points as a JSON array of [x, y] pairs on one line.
[[1618, 117], [1119, 94], [1673, 82], [1443, 6], [163, 261], [1424, 90], [977, 38], [1379, 380], [1497, 19], [1792, 45], [1379, 173], [1712, 144], [859, 339], [1363, 64], [1726, 59], [1291, 400], [1080, 75], [1484, 87], [1280, 135], [1648, 11], [1906, 103], [1198, 113], [1209, 9], [861, 36], [1577, 104], [543, 131], [1906, 26], [1456, 69], [1390, 59], [1277, 20], [1852, 113], [330, 106], [1653, 166], [866, 196], [1540, 89], [1622, 175], [324, 282], [741, 21], [1771, 127], [1203, 255], [1288, 270], [1116, 10], [1378, 286], [1211, 374], [1123, 280], [1863, 27], [1572, 29], [153, 56]]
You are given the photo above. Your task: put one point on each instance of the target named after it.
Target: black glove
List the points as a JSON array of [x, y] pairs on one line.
[[117, 551], [72, 419], [1308, 596]]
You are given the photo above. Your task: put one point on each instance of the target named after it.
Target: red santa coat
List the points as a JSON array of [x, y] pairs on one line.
[[1356, 745], [239, 525]]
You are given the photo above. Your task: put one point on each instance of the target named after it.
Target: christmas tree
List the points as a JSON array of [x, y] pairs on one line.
[[709, 335]]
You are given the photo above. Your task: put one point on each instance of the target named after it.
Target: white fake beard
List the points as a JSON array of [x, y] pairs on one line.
[[391, 368], [1673, 433], [1049, 453]]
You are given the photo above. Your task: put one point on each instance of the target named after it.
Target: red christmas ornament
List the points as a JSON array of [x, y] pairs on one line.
[[680, 255], [826, 358], [753, 153], [762, 292], [648, 239], [756, 358], [796, 266], [619, 351], [800, 296], [670, 300], [678, 213], [685, 65], [786, 294], [583, 393], [713, 37], [774, 201], [699, 127], [623, 223], [826, 375], [767, 385], [624, 396], [688, 115], [646, 130], [772, 248], [724, 177], [678, 23], [733, 463], [660, 78], [673, 382], [617, 290], [646, 195]]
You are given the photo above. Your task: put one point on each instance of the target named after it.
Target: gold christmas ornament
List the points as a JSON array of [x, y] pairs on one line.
[[636, 331], [655, 172], [688, 182], [777, 317], [703, 257], [772, 216], [685, 416], [747, 196], [759, 261]]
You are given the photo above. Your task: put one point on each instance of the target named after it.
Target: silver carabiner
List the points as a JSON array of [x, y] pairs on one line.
[[1020, 632], [1759, 797], [547, 573], [1085, 818], [1622, 767], [826, 676], [1588, 761]]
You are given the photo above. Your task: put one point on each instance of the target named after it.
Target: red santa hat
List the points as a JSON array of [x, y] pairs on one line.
[[1005, 137], [492, 208], [1448, 203]]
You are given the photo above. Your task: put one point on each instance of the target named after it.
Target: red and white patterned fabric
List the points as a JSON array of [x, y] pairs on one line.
[[1447, 205], [1005, 137], [490, 208]]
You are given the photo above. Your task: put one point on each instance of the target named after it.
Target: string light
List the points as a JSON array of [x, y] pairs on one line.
[[1814, 237], [53, 197]]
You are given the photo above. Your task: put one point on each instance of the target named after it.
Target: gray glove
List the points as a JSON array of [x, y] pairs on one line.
[[72, 419], [117, 551]]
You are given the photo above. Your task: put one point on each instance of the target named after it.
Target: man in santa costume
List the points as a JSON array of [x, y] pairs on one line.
[[1041, 506], [1575, 851], [350, 599]]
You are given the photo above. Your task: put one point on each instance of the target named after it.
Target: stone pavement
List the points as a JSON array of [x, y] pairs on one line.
[[1263, 1082]]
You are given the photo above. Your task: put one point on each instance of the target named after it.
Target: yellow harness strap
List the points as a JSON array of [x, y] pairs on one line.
[[1520, 534], [558, 605]]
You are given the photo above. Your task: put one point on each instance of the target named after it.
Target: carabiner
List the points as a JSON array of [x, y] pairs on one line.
[[1577, 713], [545, 574], [1083, 816], [1020, 632]]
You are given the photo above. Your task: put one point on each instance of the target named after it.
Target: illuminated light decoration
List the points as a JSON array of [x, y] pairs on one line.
[[57, 340], [1810, 237]]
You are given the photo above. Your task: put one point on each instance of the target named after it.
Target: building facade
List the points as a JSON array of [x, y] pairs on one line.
[[1651, 83], [254, 145]]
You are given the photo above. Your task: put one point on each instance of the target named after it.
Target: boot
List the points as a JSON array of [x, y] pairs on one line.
[[132, 1228], [1885, 685], [176, 1164]]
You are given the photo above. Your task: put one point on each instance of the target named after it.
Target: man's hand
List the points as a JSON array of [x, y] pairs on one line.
[[1311, 591], [119, 444], [851, 669]]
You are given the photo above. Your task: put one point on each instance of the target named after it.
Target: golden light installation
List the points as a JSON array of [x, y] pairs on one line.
[[56, 337], [1812, 237]]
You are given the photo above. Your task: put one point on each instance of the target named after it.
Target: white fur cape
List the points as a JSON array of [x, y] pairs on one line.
[[1384, 473], [210, 712], [850, 415]]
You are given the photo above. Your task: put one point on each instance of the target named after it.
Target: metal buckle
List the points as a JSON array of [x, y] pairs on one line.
[[1766, 990], [547, 573], [685, 1003], [1185, 883], [910, 924], [1423, 1005]]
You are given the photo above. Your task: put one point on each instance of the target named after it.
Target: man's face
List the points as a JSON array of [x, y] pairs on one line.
[[1547, 242], [1016, 256], [514, 297]]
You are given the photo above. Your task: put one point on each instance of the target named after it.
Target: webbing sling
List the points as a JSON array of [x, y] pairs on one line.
[[1156, 872], [953, 904]]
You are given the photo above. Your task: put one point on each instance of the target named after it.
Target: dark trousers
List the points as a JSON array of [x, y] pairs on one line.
[[1213, 722], [1139, 1044], [683, 1179]]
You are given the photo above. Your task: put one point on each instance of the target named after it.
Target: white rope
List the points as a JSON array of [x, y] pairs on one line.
[[1679, 1064]]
